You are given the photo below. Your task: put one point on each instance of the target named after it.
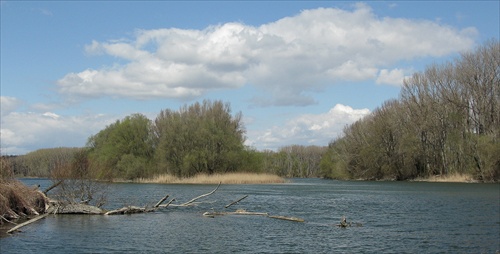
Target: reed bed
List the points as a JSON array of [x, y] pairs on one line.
[[228, 178], [449, 178], [18, 200]]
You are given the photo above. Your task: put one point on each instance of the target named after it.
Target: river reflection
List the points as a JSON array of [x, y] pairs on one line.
[[397, 217]]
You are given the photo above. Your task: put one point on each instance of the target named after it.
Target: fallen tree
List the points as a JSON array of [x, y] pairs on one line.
[[65, 207], [244, 212], [27, 223], [192, 201]]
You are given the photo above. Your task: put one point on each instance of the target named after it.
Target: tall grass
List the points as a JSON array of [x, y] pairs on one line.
[[449, 178], [228, 178], [18, 200]]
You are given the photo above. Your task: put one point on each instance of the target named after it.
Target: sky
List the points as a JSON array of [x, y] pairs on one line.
[[298, 71]]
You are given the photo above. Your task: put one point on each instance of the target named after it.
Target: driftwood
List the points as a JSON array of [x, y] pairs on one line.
[[52, 187], [287, 218], [69, 208], [27, 222], [350, 224], [58, 207], [6, 220], [345, 224], [237, 212], [136, 209], [161, 201], [243, 212], [167, 204], [130, 210], [191, 202], [234, 202]]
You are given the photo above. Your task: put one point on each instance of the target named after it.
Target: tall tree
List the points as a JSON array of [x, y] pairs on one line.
[[200, 138], [124, 149], [447, 120]]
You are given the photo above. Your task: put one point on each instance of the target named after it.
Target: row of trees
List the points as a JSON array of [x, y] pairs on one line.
[[447, 120], [88, 163], [200, 138], [294, 161], [40, 163]]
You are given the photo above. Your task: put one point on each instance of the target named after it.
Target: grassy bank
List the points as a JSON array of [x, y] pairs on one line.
[[449, 178], [228, 178], [18, 200]]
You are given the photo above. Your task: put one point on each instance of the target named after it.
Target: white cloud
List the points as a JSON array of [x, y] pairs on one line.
[[393, 77], [308, 129], [8, 104], [25, 132], [298, 54]]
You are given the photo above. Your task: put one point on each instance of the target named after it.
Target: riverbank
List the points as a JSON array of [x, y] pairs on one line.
[[17, 203], [449, 178], [227, 178]]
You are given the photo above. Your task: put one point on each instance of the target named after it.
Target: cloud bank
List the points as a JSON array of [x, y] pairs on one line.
[[287, 59], [308, 129], [25, 132]]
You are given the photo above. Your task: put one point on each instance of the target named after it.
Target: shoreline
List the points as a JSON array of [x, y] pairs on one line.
[[450, 178], [225, 178]]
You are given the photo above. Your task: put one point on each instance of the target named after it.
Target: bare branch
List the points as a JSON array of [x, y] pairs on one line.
[[235, 201], [201, 196]]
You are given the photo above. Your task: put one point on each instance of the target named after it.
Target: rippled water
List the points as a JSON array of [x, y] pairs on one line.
[[397, 217]]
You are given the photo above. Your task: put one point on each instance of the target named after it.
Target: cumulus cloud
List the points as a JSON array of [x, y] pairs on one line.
[[298, 54], [393, 77], [8, 104], [25, 132], [308, 129]]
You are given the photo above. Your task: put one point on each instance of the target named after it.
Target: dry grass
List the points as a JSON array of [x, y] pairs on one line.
[[17, 200], [449, 178], [228, 178]]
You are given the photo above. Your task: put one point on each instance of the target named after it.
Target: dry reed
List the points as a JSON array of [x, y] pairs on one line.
[[17, 200], [228, 178], [449, 178]]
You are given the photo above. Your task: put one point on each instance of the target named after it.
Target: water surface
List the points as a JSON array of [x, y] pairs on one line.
[[397, 217]]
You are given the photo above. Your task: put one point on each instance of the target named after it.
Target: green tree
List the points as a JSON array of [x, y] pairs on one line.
[[447, 120], [200, 138], [124, 149]]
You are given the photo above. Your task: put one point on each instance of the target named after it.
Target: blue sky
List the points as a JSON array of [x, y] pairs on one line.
[[298, 71]]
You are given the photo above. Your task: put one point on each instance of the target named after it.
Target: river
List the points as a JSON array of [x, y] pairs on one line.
[[396, 217]]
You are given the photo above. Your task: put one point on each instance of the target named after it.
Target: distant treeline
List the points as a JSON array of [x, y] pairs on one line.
[[446, 120], [199, 138]]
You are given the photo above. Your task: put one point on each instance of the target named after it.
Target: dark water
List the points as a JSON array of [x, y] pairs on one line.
[[397, 217]]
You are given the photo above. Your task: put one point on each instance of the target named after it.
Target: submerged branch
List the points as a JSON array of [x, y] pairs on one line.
[[52, 187], [161, 201], [129, 210], [27, 222], [234, 202], [243, 212], [167, 204], [201, 196]]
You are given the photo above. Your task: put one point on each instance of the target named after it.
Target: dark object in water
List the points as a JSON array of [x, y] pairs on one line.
[[345, 224]]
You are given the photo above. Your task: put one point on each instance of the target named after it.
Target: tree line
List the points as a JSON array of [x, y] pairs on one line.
[[199, 138], [446, 120]]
